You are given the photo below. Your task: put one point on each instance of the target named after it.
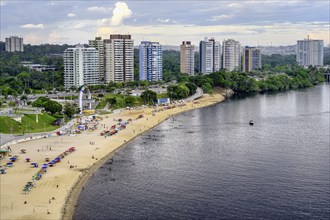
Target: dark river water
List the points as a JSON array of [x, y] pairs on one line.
[[211, 164]]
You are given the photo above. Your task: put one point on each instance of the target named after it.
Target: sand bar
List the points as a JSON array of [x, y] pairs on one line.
[[55, 194]]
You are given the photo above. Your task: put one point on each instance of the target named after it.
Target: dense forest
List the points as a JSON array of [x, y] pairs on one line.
[[14, 78]]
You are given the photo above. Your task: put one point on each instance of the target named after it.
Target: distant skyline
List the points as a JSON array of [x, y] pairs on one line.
[[252, 23]]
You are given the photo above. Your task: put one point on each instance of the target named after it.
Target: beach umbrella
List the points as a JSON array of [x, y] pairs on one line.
[[9, 164], [45, 164], [34, 164]]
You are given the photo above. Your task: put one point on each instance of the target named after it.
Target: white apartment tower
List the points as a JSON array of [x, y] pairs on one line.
[[310, 52], [14, 43], [98, 44], [81, 66], [187, 58], [209, 56], [151, 62], [231, 55], [119, 58]]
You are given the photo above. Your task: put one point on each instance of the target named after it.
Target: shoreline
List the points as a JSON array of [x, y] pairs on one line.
[[73, 180]]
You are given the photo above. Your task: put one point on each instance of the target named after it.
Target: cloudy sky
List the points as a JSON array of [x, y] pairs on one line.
[[251, 22]]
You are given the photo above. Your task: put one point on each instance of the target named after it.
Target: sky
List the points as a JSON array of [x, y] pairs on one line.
[[251, 22]]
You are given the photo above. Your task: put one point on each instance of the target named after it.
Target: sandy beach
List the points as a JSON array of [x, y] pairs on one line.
[[55, 194]]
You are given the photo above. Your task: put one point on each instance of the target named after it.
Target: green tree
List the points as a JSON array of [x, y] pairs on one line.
[[192, 88], [112, 101], [52, 107], [40, 102], [70, 109], [178, 91], [129, 100], [207, 88], [148, 96]]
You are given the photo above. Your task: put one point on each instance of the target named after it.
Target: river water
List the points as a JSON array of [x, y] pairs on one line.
[[211, 164]]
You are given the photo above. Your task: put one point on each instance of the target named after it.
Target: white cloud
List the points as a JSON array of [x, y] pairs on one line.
[[104, 21], [71, 15], [99, 9], [119, 13], [54, 37], [81, 24], [219, 17], [234, 5], [2, 3], [31, 39], [76, 24], [52, 3], [278, 33], [33, 26], [167, 20]]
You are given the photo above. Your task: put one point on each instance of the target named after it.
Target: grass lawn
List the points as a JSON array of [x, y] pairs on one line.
[[8, 125], [28, 125]]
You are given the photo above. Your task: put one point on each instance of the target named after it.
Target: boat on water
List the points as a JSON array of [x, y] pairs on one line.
[[251, 122]]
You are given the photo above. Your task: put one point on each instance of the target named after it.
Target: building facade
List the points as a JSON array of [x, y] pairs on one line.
[[119, 58], [81, 66], [251, 59], [231, 55], [98, 44], [14, 44], [151, 62], [310, 52], [187, 58], [209, 56]]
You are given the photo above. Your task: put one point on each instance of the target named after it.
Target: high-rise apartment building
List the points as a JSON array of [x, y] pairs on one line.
[[209, 56], [81, 66], [14, 43], [119, 58], [187, 58], [231, 55], [251, 59], [310, 52], [151, 62], [98, 44]]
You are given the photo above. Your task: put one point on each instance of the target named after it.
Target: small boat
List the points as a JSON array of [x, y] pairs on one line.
[[251, 122]]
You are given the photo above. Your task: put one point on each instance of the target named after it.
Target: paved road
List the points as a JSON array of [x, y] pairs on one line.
[[198, 94]]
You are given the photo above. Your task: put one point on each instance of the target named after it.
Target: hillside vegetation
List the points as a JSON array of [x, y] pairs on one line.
[[28, 125]]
